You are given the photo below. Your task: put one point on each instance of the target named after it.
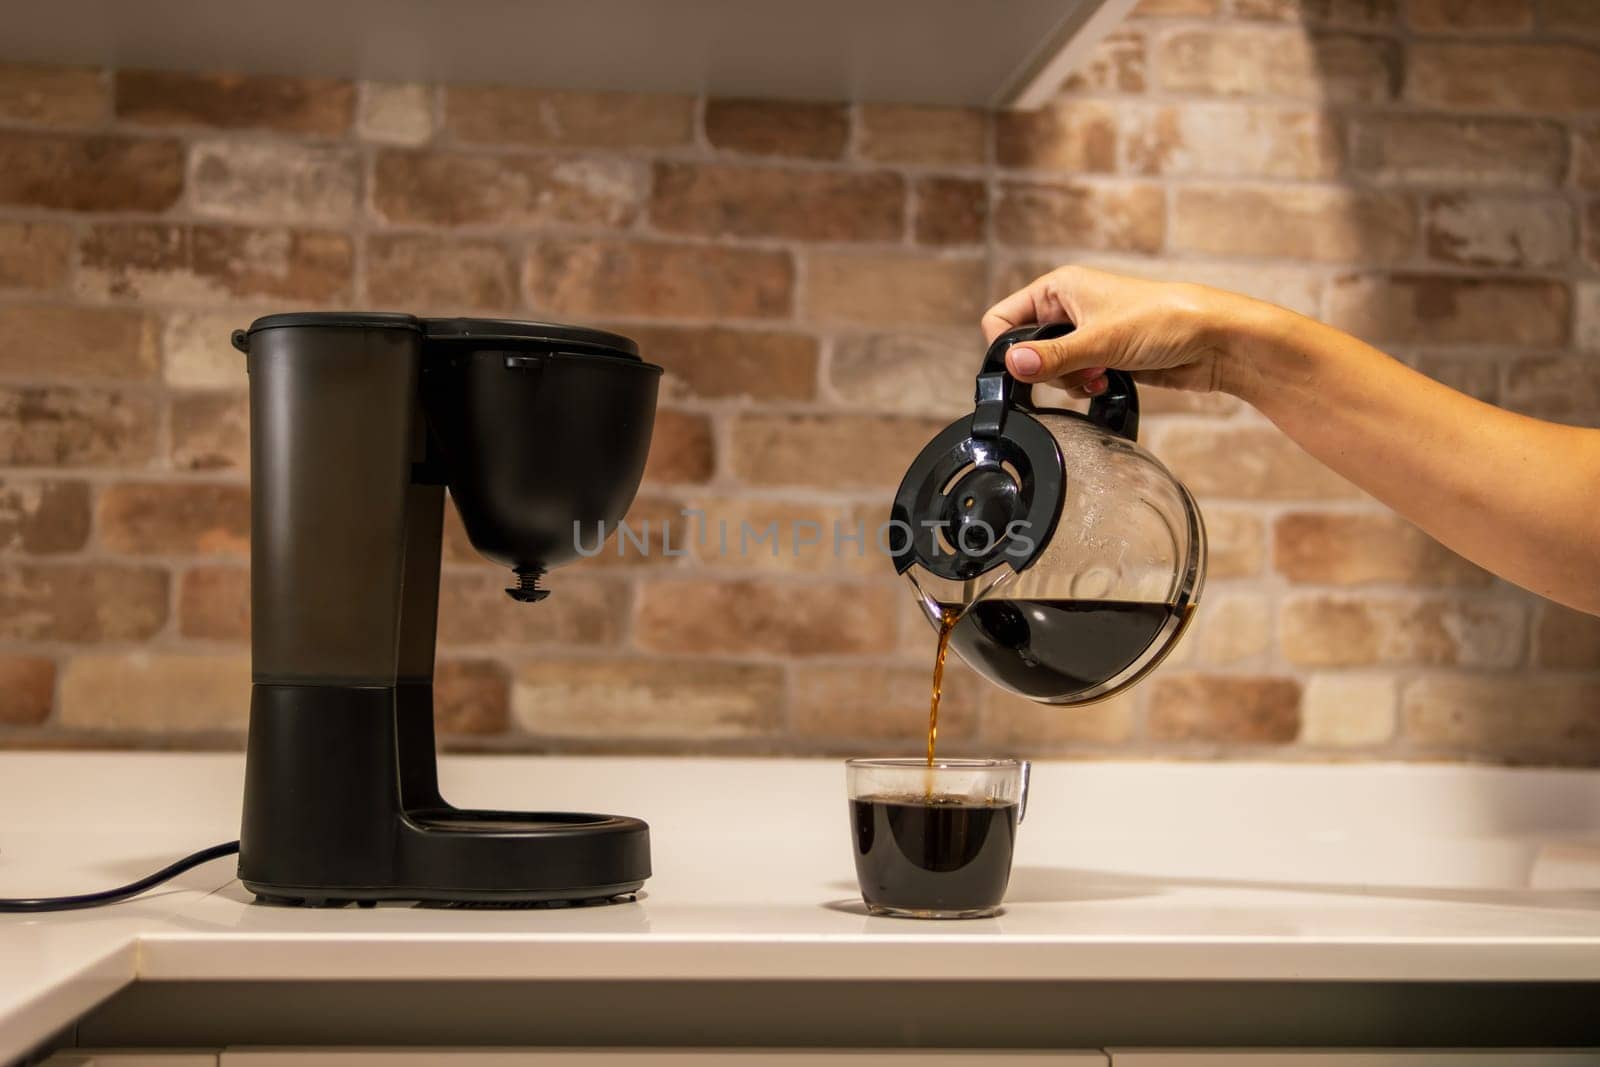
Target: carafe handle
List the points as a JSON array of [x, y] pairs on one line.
[[1115, 410]]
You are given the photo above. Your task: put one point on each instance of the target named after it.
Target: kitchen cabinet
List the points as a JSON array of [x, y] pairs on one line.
[[999, 53], [445, 1057], [1354, 1058], [470, 1057]]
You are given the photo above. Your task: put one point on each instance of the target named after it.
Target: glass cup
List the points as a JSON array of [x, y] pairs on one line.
[[935, 841]]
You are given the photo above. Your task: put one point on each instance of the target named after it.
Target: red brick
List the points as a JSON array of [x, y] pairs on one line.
[[778, 127], [1068, 135], [59, 342], [475, 611], [52, 95], [910, 373], [1482, 230], [1337, 631], [1439, 309], [500, 114], [1294, 286], [1159, 8], [34, 255], [1274, 61], [914, 288], [61, 427], [399, 113], [174, 519], [725, 199], [73, 172], [1012, 720], [784, 536], [1261, 141], [1345, 710], [1585, 167], [1295, 222], [1514, 719], [1562, 388], [210, 432], [454, 188], [235, 101], [682, 449], [1550, 78], [609, 700], [1342, 548], [1466, 151], [1587, 333], [814, 618], [1247, 710], [203, 263], [1473, 375], [1230, 628], [81, 602], [950, 211], [27, 690], [828, 451], [1121, 218], [421, 272], [1470, 16], [904, 133], [1118, 63], [214, 604], [1591, 233], [1247, 463], [1236, 543], [659, 534], [471, 697], [713, 362], [1361, 14], [197, 350], [591, 276], [883, 704], [1579, 18], [274, 182], [1566, 639], [43, 516], [134, 691]]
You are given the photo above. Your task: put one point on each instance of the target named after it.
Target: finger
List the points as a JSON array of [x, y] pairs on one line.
[[1078, 378], [1032, 303], [1040, 361], [1087, 388]]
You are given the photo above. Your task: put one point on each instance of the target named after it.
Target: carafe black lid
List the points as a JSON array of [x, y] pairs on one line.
[[534, 334]]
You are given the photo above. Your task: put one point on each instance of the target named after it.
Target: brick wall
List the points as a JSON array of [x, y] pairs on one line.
[[1426, 173]]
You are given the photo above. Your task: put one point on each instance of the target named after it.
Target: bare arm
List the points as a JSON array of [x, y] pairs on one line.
[[1516, 495]]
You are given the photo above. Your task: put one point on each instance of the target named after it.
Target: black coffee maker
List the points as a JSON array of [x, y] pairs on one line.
[[358, 422]]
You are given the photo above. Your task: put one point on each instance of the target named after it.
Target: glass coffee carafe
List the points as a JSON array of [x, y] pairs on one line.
[[1064, 559]]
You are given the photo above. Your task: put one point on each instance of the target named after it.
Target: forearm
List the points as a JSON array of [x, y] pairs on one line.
[[1517, 496]]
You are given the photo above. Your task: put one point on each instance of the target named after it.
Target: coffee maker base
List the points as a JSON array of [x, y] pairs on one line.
[[370, 896], [469, 869], [342, 804]]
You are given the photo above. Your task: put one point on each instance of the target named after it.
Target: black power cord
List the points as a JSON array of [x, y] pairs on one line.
[[113, 896]]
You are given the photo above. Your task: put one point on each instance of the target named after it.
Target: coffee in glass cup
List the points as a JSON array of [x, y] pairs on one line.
[[935, 840]]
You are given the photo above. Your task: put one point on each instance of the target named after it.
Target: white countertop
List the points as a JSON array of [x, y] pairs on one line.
[[1124, 871]]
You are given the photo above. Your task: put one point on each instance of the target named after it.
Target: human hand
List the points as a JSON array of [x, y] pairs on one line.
[[1172, 335]]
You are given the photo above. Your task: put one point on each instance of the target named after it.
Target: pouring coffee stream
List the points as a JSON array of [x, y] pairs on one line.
[[1058, 558]]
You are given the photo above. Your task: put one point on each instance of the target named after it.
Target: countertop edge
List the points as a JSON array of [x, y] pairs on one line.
[[209, 957], [49, 1007]]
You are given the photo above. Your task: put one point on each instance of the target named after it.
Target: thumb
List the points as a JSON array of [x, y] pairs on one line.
[[1040, 361]]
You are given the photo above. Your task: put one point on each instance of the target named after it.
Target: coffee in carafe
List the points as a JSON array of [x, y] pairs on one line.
[[1071, 558]]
